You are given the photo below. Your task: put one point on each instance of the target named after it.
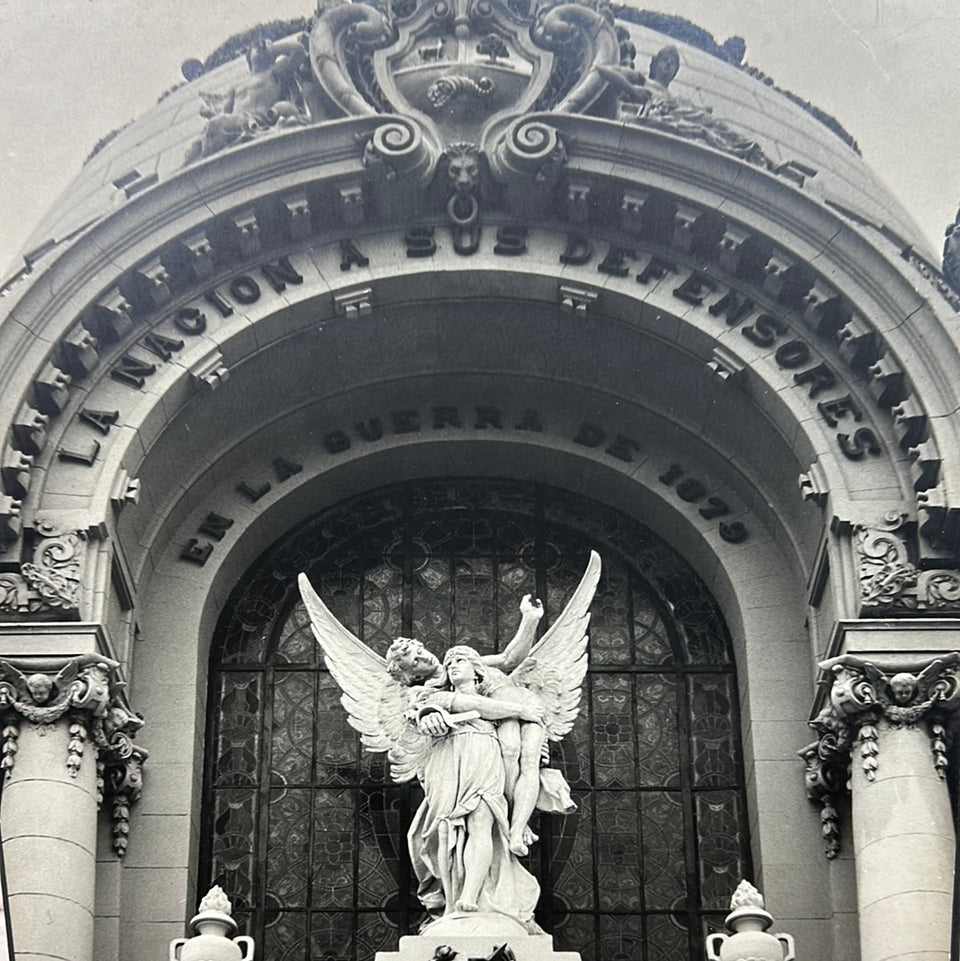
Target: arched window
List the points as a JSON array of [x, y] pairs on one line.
[[306, 831]]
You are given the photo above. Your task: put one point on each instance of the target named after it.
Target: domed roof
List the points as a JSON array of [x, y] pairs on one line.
[[276, 81]]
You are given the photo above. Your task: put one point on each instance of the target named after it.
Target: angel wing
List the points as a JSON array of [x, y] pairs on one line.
[[558, 661], [375, 703]]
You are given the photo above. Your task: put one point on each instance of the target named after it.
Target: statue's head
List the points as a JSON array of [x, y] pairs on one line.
[[409, 662], [259, 57], [665, 65], [463, 662]]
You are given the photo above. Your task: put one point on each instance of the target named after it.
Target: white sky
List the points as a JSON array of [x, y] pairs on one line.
[[75, 69]]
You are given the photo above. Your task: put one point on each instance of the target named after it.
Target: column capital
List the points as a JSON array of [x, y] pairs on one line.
[[863, 696], [86, 694]]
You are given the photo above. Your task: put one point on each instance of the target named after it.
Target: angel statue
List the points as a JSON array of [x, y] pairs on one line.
[[474, 729]]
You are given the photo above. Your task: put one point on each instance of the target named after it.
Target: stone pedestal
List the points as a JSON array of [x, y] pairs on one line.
[[526, 947], [476, 937]]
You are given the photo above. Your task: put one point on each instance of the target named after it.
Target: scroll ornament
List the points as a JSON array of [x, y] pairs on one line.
[[49, 583], [85, 693], [863, 700], [890, 581]]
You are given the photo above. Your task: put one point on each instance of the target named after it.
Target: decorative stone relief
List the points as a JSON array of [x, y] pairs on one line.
[[865, 697], [951, 255], [888, 578], [271, 97], [647, 101], [85, 692], [49, 582]]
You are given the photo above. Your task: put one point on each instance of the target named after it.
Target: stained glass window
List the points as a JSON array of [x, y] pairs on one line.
[[306, 832]]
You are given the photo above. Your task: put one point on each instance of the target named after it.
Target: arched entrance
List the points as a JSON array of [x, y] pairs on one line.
[[305, 829]]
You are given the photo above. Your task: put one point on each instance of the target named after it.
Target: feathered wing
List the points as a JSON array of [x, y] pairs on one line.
[[557, 663], [374, 702]]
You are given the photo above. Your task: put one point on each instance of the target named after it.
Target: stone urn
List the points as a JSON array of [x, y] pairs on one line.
[[215, 929], [749, 941]]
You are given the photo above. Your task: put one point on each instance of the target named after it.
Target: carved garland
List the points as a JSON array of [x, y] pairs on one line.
[[86, 692]]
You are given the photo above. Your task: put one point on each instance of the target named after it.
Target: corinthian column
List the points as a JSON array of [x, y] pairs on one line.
[[889, 716], [66, 738]]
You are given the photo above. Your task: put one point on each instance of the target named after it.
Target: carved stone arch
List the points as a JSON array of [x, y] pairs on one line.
[[650, 311], [756, 584]]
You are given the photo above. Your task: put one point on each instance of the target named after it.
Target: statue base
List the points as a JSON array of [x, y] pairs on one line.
[[476, 937]]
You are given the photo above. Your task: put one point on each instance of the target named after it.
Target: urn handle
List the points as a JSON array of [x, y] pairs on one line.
[[789, 950], [246, 945], [175, 945], [714, 943]]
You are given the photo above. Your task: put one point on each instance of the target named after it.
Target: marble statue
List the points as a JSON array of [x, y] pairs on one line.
[[474, 729]]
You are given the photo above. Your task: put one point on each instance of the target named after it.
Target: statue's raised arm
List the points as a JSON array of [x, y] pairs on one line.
[[475, 737]]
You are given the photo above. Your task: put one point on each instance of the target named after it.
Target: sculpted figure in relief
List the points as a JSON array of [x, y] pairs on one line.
[[474, 729], [649, 102], [265, 99]]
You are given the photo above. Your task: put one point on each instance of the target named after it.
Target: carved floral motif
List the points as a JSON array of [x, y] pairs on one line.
[[890, 581], [87, 693], [49, 583], [864, 698]]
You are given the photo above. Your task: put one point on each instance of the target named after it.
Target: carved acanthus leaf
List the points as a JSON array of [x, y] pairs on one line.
[[889, 580]]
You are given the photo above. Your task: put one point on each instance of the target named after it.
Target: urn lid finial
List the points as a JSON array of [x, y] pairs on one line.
[[216, 900]]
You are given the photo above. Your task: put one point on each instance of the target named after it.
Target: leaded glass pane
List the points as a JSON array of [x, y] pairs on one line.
[[238, 742], [308, 834], [331, 936], [714, 752], [664, 880], [612, 733], [382, 616], [721, 866], [294, 708], [338, 748], [577, 933], [286, 938], [619, 867], [621, 937], [574, 869], [655, 730], [609, 619], [288, 847], [474, 595], [334, 845], [234, 826], [667, 939]]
